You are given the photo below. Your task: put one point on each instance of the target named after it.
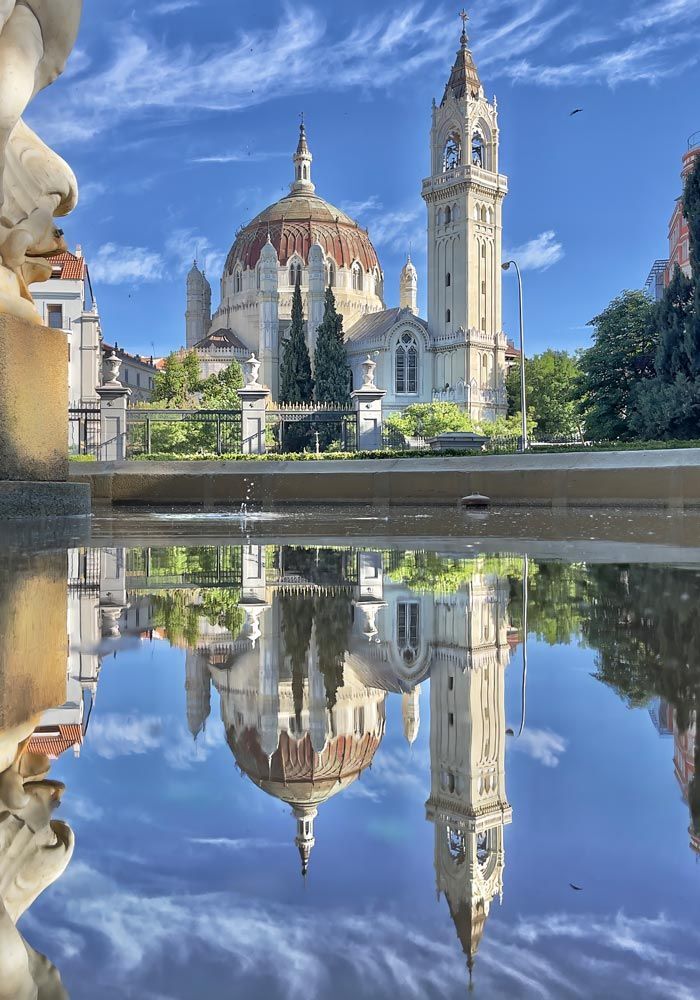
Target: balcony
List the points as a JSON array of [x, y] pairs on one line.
[[694, 142]]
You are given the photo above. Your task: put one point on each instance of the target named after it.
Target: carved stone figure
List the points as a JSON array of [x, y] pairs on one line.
[[36, 185]]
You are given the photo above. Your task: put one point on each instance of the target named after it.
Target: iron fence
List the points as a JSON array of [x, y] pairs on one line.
[[183, 432], [312, 427], [84, 430]]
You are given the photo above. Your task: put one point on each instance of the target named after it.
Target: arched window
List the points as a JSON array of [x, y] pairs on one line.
[[448, 215], [477, 214], [257, 277], [478, 150], [356, 277], [483, 213], [438, 217], [455, 213], [448, 316], [406, 358], [407, 630], [238, 280], [306, 172], [452, 153], [330, 273], [295, 273], [448, 279]]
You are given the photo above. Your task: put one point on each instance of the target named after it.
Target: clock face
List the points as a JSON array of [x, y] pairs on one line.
[[453, 152]]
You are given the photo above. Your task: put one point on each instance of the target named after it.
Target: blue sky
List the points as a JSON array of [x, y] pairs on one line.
[[180, 118]]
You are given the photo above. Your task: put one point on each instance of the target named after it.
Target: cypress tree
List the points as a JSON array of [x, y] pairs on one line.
[[671, 319], [691, 210], [296, 384], [331, 360]]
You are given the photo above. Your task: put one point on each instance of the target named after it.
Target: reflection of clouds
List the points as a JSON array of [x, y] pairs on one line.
[[542, 745], [116, 735], [78, 807], [395, 771], [372, 953]]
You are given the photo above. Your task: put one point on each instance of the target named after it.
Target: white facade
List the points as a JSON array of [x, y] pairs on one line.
[[459, 353]]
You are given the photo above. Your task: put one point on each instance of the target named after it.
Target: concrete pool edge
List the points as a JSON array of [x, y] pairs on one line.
[[668, 479]]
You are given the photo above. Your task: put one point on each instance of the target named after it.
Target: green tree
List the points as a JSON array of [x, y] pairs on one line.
[[220, 391], [331, 369], [430, 419], [170, 385], [552, 392], [296, 383], [691, 210], [193, 374], [622, 356]]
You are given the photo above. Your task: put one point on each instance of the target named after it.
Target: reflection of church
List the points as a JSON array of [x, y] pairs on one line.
[[458, 352], [303, 734]]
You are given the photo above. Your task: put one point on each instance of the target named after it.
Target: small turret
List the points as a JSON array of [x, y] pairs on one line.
[[197, 322], [410, 709], [408, 287], [302, 165], [305, 839]]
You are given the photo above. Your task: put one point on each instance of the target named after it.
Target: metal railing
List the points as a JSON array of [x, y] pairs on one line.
[[694, 141], [320, 427], [186, 432], [84, 430]]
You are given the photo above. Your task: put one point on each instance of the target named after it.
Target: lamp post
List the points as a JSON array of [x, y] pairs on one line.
[[523, 399]]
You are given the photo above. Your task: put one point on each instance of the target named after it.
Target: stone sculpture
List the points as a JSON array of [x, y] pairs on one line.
[[36, 184], [34, 851]]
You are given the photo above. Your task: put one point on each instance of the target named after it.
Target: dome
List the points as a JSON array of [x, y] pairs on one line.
[[294, 224]]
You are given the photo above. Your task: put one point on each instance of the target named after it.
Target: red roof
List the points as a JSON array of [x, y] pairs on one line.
[[296, 222], [55, 740], [73, 268]]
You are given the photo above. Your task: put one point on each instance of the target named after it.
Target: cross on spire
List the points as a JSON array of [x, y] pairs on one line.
[[465, 17]]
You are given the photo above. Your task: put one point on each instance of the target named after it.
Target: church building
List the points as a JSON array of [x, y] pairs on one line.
[[457, 353]]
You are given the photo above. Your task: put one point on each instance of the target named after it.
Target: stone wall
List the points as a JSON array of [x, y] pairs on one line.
[[33, 402]]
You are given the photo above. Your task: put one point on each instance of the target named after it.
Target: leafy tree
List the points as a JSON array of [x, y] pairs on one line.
[[220, 391], [296, 384], [507, 427], [333, 620], [171, 385], [193, 375], [331, 369], [622, 356], [691, 210], [297, 624], [671, 319], [430, 419], [552, 392]]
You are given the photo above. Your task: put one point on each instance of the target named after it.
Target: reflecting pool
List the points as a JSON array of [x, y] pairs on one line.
[[268, 769]]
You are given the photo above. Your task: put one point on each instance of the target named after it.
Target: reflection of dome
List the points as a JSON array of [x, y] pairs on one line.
[[294, 224]]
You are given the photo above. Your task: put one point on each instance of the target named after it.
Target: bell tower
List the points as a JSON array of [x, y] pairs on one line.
[[464, 197]]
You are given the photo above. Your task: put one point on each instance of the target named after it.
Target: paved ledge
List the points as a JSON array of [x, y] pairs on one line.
[[43, 501], [629, 478]]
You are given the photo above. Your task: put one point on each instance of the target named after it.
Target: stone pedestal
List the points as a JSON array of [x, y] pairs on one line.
[[114, 401], [368, 405], [254, 399], [34, 424]]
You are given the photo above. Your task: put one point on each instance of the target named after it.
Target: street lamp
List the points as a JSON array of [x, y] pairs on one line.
[[523, 401]]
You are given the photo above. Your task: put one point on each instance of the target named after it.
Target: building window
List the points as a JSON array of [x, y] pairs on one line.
[[126, 375], [448, 316], [356, 277], [448, 279], [330, 274], [55, 317], [407, 630], [448, 215], [138, 379], [238, 280], [406, 357], [478, 150], [295, 273]]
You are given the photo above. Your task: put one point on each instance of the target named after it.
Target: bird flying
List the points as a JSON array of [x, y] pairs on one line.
[[576, 111]]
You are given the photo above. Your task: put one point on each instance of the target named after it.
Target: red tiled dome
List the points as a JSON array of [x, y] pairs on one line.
[[294, 224]]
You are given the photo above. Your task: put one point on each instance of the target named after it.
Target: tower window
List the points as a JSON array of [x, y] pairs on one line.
[[483, 250], [238, 280], [295, 273], [406, 359], [356, 277], [330, 273], [448, 215], [452, 153], [478, 150], [448, 316], [448, 279]]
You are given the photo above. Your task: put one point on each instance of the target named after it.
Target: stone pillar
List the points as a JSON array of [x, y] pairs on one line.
[[368, 405], [114, 401], [316, 296], [254, 399], [89, 359]]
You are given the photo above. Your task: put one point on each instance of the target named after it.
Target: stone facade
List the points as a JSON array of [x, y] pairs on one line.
[[459, 353]]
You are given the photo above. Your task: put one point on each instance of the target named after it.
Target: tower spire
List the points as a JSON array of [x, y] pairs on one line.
[[302, 163], [464, 78]]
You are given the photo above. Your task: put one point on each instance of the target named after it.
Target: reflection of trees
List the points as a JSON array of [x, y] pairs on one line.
[[430, 572], [329, 620], [643, 622], [178, 613], [558, 597], [297, 622]]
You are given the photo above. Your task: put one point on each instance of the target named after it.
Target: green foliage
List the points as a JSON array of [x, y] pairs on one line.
[[296, 384], [331, 369], [666, 409], [691, 210], [622, 355], [430, 572], [672, 356], [220, 391], [430, 419], [179, 379], [507, 427], [551, 382], [82, 458]]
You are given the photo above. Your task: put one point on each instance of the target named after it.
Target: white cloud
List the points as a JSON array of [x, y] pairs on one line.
[[542, 745], [183, 245], [77, 807], [119, 265], [661, 12], [113, 735], [238, 156], [356, 209], [239, 844], [174, 6], [537, 254]]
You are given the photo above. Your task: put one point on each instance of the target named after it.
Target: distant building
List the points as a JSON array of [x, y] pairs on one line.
[[678, 235], [137, 372], [65, 302], [656, 282]]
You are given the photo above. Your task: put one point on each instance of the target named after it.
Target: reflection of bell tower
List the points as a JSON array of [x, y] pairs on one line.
[[467, 803], [464, 197]]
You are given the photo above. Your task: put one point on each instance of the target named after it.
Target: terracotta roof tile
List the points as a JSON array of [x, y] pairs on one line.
[[73, 268]]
